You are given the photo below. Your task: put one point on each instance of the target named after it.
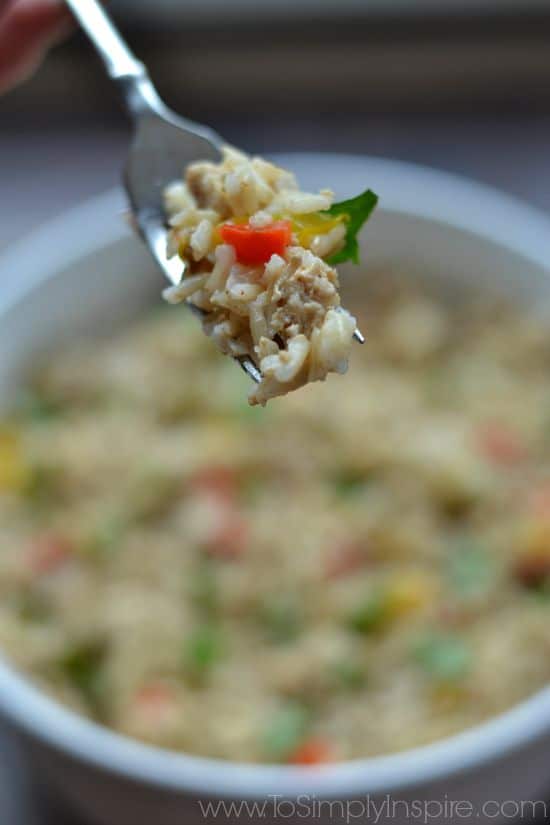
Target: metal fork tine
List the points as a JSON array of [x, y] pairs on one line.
[[151, 227], [245, 362], [248, 365]]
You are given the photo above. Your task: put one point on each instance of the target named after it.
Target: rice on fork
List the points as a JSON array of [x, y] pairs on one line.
[[256, 254]]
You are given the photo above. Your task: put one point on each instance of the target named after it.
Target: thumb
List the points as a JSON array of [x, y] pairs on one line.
[[28, 28]]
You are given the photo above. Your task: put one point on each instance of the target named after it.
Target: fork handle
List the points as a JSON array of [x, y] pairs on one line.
[[121, 64]]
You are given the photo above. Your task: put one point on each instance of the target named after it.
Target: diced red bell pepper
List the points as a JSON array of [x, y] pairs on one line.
[[154, 694], [533, 571], [154, 701], [344, 558], [228, 529], [501, 445], [539, 501], [229, 537], [312, 752], [49, 552], [255, 245], [218, 480]]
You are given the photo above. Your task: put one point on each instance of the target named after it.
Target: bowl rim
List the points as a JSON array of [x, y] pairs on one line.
[[407, 188]]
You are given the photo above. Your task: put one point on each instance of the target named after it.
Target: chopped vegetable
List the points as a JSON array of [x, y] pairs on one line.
[[33, 606], [470, 570], [255, 245], [371, 615], [533, 572], [312, 752], [532, 565], [539, 501], [307, 227], [350, 674], [446, 658], [48, 552], [286, 731], [228, 529], [447, 697], [43, 484], [105, 539], [14, 471], [281, 619], [409, 592], [229, 537], [344, 558], [356, 211], [217, 480], [203, 650], [501, 445], [154, 693], [397, 598], [349, 482], [253, 486], [204, 589], [536, 539], [37, 407], [83, 667], [155, 702]]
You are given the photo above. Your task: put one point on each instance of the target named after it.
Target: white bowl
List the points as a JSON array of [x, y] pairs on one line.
[[73, 277]]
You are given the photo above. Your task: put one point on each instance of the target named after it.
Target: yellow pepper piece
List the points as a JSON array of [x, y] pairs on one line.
[[216, 235], [536, 540], [14, 473], [448, 697], [409, 593], [307, 227]]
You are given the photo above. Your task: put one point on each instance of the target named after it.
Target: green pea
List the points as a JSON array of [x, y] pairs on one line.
[[285, 730], [371, 615], [35, 406], [83, 666], [445, 657], [349, 482], [44, 485], [282, 620], [470, 571], [105, 539], [204, 589], [33, 606], [541, 592], [349, 675], [203, 650]]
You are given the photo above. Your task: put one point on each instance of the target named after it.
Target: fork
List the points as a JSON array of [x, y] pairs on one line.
[[163, 144]]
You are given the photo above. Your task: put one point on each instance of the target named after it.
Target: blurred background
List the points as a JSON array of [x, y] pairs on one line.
[[458, 84], [462, 85]]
